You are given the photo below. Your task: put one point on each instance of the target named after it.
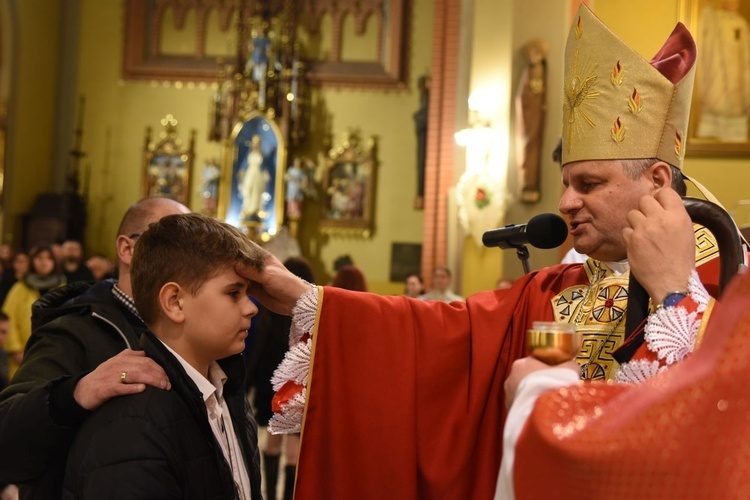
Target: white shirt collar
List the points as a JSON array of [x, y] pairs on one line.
[[618, 267], [207, 386]]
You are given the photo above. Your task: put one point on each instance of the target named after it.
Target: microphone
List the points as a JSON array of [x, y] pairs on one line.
[[542, 231]]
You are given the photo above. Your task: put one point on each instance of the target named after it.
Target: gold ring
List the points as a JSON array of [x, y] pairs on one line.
[[122, 377]]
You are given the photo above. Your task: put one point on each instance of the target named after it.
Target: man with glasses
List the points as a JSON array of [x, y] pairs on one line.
[[81, 354]]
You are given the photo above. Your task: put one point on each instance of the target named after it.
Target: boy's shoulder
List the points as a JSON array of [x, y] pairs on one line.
[[158, 407]]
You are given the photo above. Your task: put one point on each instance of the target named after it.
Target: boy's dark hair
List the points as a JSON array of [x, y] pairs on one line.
[[3, 316], [188, 249]]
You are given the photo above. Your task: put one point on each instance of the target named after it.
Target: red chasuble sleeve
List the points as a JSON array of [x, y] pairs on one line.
[[405, 398]]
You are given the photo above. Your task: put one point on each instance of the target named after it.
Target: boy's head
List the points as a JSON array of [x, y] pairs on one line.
[[189, 250]]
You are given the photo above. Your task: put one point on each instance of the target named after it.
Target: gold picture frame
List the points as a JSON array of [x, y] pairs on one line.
[[349, 183], [167, 164], [720, 111]]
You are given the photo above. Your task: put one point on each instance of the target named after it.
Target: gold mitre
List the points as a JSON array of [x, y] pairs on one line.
[[617, 105]]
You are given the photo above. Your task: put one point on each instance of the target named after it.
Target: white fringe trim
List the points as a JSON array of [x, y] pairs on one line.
[[295, 366], [698, 292], [303, 315]]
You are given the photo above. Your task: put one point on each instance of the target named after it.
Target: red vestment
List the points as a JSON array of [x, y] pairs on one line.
[[683, 434], [405, 398]]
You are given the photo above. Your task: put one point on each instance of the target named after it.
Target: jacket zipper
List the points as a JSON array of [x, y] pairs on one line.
[[124, 338]]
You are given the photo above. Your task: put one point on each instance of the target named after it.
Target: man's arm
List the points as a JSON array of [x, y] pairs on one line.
[[42, 400]]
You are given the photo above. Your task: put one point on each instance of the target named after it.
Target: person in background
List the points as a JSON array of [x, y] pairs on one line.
[[350, 278], [101, 267], [72, 262], [6, 255], [43, 276], [271, 344], [18, 268], [4, 365], [441, 286], [198, 440], [503, 283], [414, 286], [341, 261], [85, 336]]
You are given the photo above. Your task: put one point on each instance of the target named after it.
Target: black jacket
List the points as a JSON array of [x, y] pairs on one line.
[[75, 329], [159, 444]]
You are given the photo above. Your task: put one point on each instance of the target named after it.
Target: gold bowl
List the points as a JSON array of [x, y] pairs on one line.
[[553, 343]]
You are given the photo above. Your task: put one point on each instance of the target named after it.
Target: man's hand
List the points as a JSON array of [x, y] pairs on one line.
[[661, 244], [107, 381], [525, 366], [274, 285]]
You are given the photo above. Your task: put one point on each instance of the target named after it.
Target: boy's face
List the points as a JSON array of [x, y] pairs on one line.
[[218, 316]]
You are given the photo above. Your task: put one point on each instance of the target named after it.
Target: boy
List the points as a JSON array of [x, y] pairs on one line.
[[198, 440]]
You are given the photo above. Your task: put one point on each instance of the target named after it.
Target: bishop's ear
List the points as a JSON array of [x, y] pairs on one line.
[[661, 175]]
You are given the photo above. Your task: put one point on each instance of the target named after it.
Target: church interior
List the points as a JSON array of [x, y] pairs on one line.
[[390, 131]]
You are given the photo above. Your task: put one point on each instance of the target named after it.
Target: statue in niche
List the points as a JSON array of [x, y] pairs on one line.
[[420, 120], [210, 187], [296, 183], [530, 106], [253, 184]]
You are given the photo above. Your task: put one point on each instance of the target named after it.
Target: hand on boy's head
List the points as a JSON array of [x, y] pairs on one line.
[[128, 372], [273, 284]]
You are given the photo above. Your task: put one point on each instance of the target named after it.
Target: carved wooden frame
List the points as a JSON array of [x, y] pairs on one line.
[[161, 156], [141, 59], [349, 166], [394, 21]]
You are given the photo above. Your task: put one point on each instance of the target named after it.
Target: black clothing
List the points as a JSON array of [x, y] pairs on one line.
[[74, 330], [271, 344], [159, 444], [82, 273]]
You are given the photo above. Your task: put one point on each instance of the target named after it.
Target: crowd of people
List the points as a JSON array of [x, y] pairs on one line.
[[136, 386]]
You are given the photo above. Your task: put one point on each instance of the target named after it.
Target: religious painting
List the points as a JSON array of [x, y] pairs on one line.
[[349, 188], [720, 112], [252, 196], [167, 164]]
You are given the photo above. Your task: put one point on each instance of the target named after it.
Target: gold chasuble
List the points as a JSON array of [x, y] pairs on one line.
[[599, 309]]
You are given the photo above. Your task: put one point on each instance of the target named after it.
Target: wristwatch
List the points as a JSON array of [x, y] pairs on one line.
[[672, 299]]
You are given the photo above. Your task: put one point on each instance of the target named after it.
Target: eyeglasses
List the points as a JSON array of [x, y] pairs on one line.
[[134, 236]]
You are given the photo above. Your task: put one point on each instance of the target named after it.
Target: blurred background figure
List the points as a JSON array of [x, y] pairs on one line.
[[341, 261], [4, 366], [503, 283], [271, 342], [441, 286], [101, 267], [71, 259], [18, 268], [43, 276], [6, 255], [350, 278], [414, 286]]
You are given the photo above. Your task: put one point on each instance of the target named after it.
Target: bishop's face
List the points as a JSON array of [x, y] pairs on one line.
[[597, 198]]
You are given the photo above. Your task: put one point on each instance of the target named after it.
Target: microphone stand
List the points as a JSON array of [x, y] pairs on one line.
[[523, 254]]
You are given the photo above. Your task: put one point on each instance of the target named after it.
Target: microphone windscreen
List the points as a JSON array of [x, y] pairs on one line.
[[546, 231]]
